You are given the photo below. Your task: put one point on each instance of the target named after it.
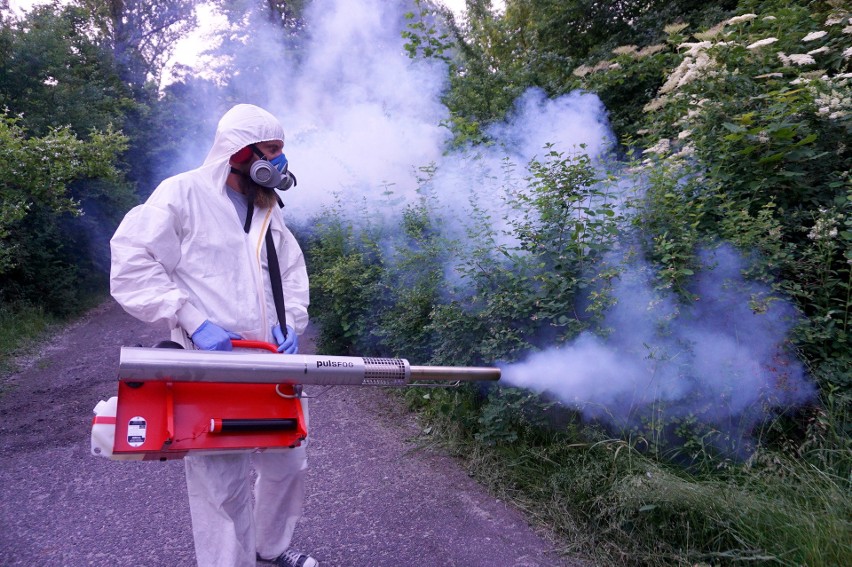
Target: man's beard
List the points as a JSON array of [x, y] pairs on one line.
[[262, 197]]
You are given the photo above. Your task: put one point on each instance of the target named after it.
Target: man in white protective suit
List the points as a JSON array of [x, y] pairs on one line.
[[195, 255]]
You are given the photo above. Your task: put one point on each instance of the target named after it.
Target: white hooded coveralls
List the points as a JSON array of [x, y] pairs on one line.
[[183, 257]]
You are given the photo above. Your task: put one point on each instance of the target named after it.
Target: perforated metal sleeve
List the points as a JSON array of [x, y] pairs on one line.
[[385, 372]]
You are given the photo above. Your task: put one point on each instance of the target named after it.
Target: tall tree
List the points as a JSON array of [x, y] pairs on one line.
[[54, 74], [261, 36], [61, 188], [142, 34], [289, 14]]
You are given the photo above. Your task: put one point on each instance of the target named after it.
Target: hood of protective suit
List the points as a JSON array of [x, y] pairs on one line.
[[244, 124]]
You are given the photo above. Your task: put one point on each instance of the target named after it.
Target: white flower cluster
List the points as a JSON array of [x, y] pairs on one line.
[[799, 59], [693, 112], [626, 50], [836, 103], [762, 42], [814, 35], [741, 19], [664, 149], [672, 29], [660, 148], [825, 226], [711, 33], [694, 65], [686, 150], [651, 49], [835, 19], [694, 49], [584, 70]]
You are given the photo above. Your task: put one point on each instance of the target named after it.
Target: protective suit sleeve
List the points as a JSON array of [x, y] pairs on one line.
[[145, 250], [294, 279]]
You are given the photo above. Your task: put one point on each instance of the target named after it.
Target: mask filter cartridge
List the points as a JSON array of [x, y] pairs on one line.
[[272, 173]]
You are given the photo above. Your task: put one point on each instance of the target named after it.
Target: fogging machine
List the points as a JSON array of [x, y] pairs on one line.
[[172, 402]]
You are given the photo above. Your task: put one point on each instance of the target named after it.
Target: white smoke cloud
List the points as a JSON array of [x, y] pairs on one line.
[[362, 117], [718, 359], [567, 122]]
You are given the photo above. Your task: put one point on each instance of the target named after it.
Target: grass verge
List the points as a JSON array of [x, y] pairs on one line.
[[21, 325], [608, 501]]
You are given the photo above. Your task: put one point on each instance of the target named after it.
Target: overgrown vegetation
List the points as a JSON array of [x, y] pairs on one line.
[[734, 122]]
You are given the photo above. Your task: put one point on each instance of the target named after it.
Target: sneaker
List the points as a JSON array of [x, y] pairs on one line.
[[292, 558]]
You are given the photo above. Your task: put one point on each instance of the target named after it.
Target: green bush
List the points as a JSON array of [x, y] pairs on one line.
[[48, 255]]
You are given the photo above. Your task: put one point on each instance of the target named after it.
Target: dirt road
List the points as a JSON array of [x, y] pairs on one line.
[[372, 499]]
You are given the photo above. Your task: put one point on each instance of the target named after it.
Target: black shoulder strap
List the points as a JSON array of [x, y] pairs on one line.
[[275, 280]]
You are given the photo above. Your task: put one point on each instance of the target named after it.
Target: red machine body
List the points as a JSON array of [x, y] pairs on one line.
[[161, 419]]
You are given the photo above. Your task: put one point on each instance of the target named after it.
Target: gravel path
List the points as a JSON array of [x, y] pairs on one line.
[[372, 500]]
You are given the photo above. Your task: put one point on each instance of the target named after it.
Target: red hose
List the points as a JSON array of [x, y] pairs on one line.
[[242, 343]]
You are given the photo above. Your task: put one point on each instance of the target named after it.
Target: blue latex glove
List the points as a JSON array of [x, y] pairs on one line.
[[213, 337], [289, 344]]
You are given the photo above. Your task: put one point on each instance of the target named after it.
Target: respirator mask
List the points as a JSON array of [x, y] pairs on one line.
[[270, 173]]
